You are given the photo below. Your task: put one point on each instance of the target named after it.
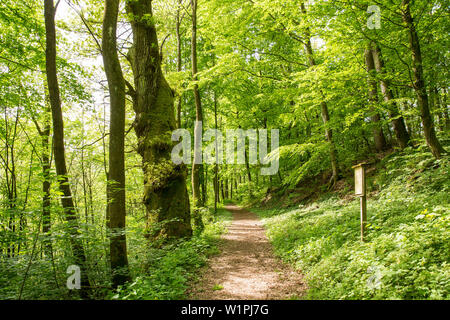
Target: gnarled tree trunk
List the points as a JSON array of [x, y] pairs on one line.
[[165, 194]]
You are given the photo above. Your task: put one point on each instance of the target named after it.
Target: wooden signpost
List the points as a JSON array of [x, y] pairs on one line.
[[360, 190]]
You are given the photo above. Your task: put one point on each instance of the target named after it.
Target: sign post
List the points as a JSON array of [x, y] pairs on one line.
[[360, 190]]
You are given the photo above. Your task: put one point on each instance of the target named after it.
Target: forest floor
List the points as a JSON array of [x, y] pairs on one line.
[[246, 267]]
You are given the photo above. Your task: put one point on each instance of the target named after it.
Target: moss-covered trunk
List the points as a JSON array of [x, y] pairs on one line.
[[165, 193]]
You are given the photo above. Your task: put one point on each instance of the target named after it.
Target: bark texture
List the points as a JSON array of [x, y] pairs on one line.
[[323, 106], [197, 167], [378, 136], [116, 173], [177, 30], [58, 145], [44, 134], [419, 83], [398, 122], [165, 194]]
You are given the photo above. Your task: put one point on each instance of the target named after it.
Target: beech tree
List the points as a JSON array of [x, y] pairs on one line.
[[58, 145], [116, 173], [380, 141], [165, 194], [419, 84], [398, 122], [197, 167]]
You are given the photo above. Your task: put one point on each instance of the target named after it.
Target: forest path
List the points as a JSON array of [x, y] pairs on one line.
[[246, 268]]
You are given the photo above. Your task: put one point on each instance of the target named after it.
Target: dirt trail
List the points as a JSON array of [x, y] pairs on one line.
[[246, 268]]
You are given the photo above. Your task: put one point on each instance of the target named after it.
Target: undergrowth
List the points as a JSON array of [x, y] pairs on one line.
[[166, 272], [406, 254]]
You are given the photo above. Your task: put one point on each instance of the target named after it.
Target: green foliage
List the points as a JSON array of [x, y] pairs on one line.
[[167, 271], [217, 287], [253, 73], [406, 254]]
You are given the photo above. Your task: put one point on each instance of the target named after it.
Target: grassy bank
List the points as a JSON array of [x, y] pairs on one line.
[[407, 251]]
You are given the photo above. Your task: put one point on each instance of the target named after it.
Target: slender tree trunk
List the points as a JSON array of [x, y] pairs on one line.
[[178, 23], [216, 165], [165, 194], [324, 108], [445, 107], [58, 146], [226, 189], [83, 176], [398, 122], [440, 112], [46, 165], [11, 183], [380, 141], [247, 166], [204, 184], [197, 167], [22, 217], [419, 83], [116, 177], [231, 188]]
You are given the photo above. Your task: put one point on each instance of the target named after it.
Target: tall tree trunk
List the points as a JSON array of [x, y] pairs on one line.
[[178, 23], [323, 106], [445, 107], [165, 194], [380, 141], [398, 122], [231, 188], [58, 146], [216, 165], [116, 176], [46, 214], [197, 167], [226, 189], [419, 83], [440, 112], [222, 190], [247, 165], [44, 134], [204, 183], [11, 182]]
